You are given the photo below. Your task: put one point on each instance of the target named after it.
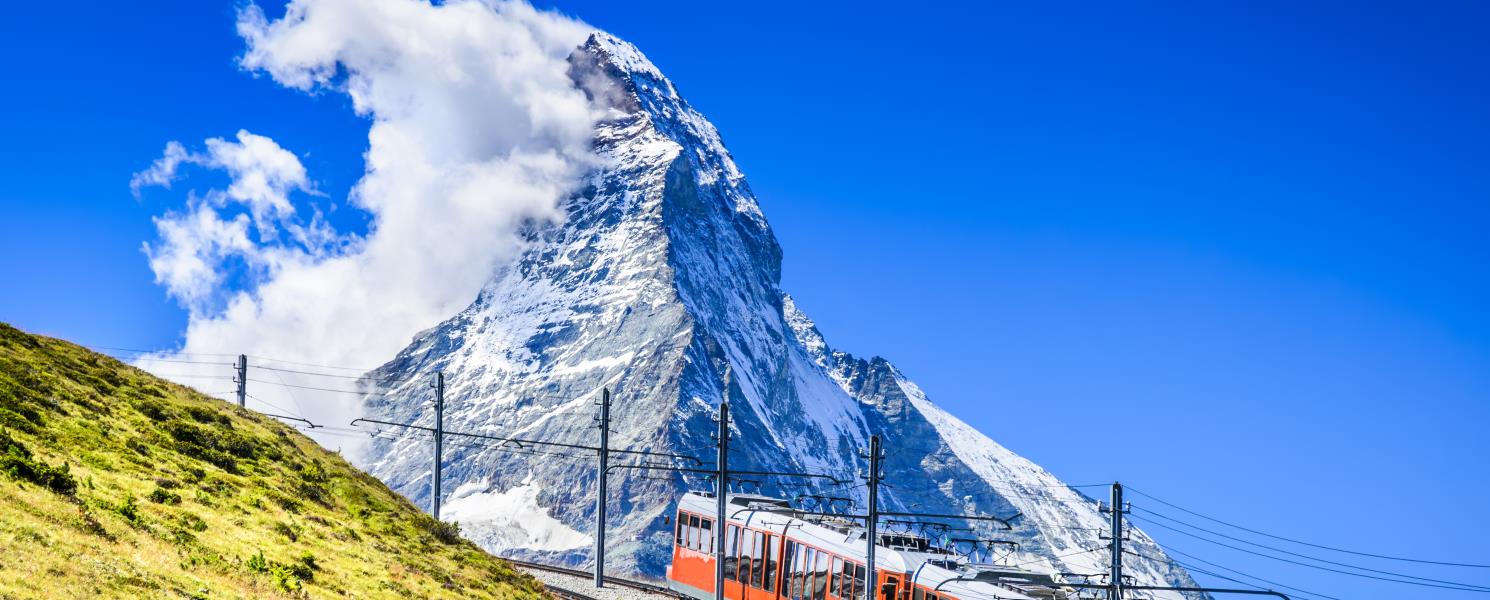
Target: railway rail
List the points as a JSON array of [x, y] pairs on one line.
[[567, 593]]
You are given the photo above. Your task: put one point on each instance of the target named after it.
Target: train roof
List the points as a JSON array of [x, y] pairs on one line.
[[931, 567]]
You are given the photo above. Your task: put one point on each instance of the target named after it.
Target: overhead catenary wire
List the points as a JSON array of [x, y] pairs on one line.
[[157, 351], [1310, 544], [307, 364], [1463, 587], [1026, 492], [522, 441], [192, 376], [1297, 595], [1306, 556], [334, 375], [289, 392], [309, 387], [1172, 550], [151, 359], [398, 436], [1057, 557], [282, 409]]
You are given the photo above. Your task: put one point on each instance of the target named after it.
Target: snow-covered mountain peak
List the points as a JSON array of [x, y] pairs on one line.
[[618, 77], [627, 58], [663, 274]]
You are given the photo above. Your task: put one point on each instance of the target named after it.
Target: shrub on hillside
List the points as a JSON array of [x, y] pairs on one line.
[[446, 532], [17, 463]]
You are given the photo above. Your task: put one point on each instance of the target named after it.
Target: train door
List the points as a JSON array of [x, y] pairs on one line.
[[760, 565], [771, 583], [891, 589], [732, 561]]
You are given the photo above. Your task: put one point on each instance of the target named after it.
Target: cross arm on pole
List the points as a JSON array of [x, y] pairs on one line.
[[1003, 522], [306, 421]]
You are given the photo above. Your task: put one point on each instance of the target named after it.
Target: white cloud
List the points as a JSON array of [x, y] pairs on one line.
[[475, 128]]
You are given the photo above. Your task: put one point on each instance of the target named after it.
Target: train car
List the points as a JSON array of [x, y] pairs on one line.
[[772, 551]]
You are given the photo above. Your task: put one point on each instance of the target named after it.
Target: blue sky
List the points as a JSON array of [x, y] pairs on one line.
[[1232, 255]]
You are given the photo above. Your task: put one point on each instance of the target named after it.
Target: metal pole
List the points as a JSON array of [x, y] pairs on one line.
[[242, 380], [601, 495], [871, 523], [439, 439], [721, 490], [1117, 542]]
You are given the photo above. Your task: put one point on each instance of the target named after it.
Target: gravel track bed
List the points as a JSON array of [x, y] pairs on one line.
[[586, 586]]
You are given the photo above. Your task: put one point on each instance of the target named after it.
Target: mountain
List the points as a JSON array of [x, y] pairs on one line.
[[663, 273], [117, 484]]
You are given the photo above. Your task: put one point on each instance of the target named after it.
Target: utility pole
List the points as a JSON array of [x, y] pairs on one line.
[[1116, 592], [871, 522], [601, 473], [439, 439], [721, 489], [242, 367]]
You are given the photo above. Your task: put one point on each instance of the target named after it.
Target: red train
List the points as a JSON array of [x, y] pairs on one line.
[[774, 552]]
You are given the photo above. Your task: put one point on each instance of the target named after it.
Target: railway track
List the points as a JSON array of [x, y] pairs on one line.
[[566, 592]]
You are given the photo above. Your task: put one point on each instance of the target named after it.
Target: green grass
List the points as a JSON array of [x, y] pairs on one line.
[[117, 484]]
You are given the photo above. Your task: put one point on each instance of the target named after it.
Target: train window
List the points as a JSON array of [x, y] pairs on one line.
[[786, 568], [731, 558], [859, 574], [798, 558], [836, 588], [758, 565], [820, 577], [706, 536], [773, 552], [917, 594], [693, 532], [682, 528], [799, 577], [846, 581], [747, 554], [808, 559]]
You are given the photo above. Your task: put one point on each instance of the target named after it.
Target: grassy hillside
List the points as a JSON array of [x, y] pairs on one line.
[[114, 483]]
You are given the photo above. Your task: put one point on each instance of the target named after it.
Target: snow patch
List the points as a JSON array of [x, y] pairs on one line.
[[499, 521]]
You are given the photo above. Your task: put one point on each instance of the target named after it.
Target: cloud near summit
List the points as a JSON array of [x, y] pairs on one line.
[[475, 128]]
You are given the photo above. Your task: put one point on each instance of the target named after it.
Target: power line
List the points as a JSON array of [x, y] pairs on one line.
[[308, 387], [276, 407], [1002, 491], [519, 442], [1056, 558], [182, 362], [352, 377], [139, 351], [1226, 568], [191, 376], [383, 434], [1314, 558], [1312, 545], [306, 364], [1296, 593], [288, 391], [1449, 585]]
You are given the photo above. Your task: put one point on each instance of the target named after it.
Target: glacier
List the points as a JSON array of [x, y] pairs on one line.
[[663, 273]]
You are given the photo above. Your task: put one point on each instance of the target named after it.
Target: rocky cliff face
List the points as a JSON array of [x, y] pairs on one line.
[[664, 272]]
